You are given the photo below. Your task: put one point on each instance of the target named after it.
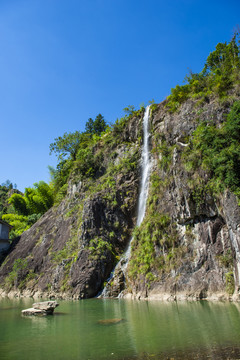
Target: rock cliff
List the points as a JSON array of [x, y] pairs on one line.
[[188, 246], [191, 231]]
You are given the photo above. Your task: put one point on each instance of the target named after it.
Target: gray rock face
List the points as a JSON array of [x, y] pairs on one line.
[[41, 308]]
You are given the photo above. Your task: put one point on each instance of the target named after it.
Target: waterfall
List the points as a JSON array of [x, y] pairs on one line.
[[142, 201], [145, 171]]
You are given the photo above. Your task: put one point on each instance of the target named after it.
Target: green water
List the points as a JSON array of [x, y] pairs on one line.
[[148, 330]]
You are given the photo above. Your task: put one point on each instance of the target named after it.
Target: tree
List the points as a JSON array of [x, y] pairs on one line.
[[8, 184], [19, 203], [99, 125], [27, 208], [66, 144], [36, 200], [129, 109], [225, 57], [89, 127]]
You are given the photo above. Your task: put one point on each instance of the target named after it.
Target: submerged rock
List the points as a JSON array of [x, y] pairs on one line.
[[109, 321], [41, 308]]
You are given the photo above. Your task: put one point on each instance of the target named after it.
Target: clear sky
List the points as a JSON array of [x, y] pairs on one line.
[[62, 62]]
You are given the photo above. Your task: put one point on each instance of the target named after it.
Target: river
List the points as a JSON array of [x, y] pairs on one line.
[[121, 329]]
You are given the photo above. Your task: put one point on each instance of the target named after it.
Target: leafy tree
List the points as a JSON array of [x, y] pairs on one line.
[[129, 109], [39, 199], [44, 195], [67, 144], [36, 200], [19, 203], [225, 57], [28, 207]]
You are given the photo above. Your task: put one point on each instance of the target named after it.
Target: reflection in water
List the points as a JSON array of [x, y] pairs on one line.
[[120, 329]]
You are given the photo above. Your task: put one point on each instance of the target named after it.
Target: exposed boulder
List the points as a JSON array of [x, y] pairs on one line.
[[41, 308]]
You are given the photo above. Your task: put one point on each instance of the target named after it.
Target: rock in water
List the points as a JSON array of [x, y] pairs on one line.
[[109, 321], [41, 308]]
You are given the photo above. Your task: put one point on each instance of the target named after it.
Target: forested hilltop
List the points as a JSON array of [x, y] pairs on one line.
[[188, 243]]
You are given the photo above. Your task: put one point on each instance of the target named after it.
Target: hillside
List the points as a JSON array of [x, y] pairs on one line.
[[187, 246]]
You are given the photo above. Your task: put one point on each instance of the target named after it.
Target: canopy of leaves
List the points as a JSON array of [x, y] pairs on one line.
[[66, 145]]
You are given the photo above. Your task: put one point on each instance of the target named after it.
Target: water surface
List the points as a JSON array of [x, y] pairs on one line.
[[120, 329]]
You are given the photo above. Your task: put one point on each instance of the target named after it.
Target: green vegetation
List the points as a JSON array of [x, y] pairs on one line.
[[96, 127], [88, 160], [155, 249], [4, 190], [217, 151], [98, 248], [70, 143], [226, 260], [18, 268], [69, 251], [67, 144], [27, 208], [220, 74], [230, 283]]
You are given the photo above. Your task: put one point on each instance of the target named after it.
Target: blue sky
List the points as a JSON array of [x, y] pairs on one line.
[[62, 62]]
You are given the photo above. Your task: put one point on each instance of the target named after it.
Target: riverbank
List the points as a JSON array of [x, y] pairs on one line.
[[164, 297]]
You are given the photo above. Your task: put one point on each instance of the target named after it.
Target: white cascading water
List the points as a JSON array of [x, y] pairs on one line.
[[143, 195]]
